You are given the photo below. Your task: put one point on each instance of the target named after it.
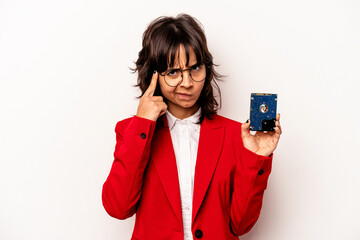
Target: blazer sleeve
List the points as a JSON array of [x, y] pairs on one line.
[[123, 186], [250, 181]]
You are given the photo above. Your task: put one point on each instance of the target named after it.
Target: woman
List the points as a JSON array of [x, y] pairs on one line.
[[187, 172]]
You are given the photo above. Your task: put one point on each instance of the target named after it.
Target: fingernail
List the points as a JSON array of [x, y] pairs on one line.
[[154, 71]]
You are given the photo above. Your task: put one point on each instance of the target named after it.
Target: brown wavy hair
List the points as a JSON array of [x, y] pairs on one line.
[[160, 43]]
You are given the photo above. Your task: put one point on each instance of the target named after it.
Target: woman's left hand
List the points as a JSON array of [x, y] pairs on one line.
[[261, 143]]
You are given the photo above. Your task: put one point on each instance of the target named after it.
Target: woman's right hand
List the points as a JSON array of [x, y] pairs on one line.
[[150, 106]]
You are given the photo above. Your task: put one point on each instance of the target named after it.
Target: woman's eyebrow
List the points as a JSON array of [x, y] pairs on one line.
[[180, 68], [194, 64]]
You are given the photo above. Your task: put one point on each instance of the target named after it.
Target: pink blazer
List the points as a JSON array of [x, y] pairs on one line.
[[228, 188]]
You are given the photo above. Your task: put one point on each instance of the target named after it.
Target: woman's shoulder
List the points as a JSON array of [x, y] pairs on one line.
[[216, 118]]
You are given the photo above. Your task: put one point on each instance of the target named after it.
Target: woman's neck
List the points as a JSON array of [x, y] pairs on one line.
[[180, 112]]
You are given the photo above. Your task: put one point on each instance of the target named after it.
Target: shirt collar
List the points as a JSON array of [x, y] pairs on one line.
[[191, 121]]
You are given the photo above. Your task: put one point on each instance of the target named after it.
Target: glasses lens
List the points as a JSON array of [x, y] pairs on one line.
[[198, 72], [173, 77]]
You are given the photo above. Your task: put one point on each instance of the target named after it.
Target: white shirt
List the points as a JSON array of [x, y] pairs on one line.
[[185, 138]]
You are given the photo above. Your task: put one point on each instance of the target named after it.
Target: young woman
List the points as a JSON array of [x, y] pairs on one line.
[[187, 172]]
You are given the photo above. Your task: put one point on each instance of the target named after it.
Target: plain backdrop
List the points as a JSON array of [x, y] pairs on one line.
[[65, 82]]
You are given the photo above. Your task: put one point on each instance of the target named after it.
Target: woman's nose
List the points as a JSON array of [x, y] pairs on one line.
[[187, 81]]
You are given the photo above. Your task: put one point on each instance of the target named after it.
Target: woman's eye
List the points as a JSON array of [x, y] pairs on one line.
[[172, 72], [195, 68]]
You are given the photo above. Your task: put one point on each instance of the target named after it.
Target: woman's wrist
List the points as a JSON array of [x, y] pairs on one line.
[[265, 154]]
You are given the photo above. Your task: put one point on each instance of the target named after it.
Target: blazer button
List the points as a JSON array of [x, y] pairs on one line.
[[143, 135], [261, 172], [198, 233]]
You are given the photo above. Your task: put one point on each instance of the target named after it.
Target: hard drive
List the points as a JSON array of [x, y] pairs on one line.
[[263, 111]]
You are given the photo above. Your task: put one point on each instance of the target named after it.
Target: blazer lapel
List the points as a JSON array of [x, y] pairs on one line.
[[210, 144], [163, 156]]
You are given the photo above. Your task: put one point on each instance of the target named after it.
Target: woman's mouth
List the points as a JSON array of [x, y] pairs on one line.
[[183, 96]]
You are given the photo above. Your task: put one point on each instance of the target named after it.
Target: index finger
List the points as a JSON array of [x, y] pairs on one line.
[[151, 89]]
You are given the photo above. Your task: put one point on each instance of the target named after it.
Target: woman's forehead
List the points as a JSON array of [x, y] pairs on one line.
[[181, 59]]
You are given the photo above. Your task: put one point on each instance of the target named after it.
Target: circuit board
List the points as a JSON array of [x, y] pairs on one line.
[[263, 111]]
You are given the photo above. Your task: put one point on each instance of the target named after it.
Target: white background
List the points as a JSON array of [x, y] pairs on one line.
[[65, 82]]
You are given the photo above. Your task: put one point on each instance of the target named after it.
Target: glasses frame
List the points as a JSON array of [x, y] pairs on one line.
[[182, 78]]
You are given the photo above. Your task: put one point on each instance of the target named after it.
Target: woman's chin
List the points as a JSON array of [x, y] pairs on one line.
[[186, 104]]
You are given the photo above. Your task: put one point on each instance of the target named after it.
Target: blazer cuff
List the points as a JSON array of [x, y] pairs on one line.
[[257, 165]]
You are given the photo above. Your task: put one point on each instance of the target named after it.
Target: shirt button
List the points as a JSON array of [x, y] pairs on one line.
[[198, 233], [143, 135], [187, 208]]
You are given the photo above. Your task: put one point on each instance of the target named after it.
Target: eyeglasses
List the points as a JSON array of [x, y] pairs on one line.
[[173, 77]]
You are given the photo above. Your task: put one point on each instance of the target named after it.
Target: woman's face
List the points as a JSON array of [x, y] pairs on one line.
[[182, 106]]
